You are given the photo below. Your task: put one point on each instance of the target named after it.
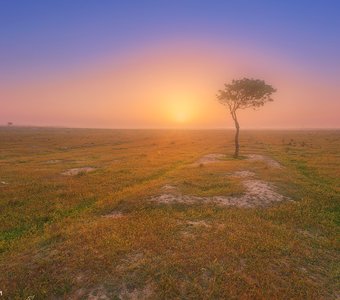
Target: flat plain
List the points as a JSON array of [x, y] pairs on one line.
[[169, 214]]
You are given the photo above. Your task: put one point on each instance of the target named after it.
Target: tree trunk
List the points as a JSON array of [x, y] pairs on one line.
[[237, 145]]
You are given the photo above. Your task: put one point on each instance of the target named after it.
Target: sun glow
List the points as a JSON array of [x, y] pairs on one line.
[[164, 87], [181, 117], [180, 109]]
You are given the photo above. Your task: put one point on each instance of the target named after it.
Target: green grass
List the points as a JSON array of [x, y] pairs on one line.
[[54, 242]]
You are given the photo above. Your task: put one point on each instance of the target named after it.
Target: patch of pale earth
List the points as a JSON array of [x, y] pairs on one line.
[[258, 193], [76, 171], [146, 292], [98, 294], [169, 187], [180, 198], [312, 235], [188, 235], [78, 294], [80, 278], [114, 215], [307, 233], [269, 161], [131, 261], [243, 174], [198, 223], [4, 182], [208, 159], [54, 161]]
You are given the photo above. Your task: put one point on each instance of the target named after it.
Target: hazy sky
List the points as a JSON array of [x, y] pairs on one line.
[[159, 64]]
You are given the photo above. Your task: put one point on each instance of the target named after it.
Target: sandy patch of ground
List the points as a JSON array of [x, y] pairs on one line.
[[98, 294], [215, 157], [269, 161], [169, 187], [3, 182], [54, 161], [125, 293], [137, 294], [198, 223], [180, 198], [208, 159], [258, 194], [77, 171], [190, 227], [114, 215], [187, 235], [131, 261], [242, 174]]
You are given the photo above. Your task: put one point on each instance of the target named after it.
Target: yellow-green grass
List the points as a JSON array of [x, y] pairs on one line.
[[55, 242]]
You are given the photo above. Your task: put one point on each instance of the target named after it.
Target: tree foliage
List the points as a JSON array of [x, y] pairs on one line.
[[245, 93]]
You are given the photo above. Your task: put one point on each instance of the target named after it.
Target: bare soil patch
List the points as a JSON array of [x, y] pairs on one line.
[[198, 224], [258, 194], [242, 174], [169, 187], [137, 294], [208, 159], [53, 161], [77, 171], [114, 215], [269, 161], [188, 231], [98, 294]]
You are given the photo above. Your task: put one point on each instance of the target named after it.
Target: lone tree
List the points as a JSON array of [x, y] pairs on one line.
[[241, 94]]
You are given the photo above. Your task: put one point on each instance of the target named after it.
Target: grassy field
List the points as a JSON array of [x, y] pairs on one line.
[[98, 235]]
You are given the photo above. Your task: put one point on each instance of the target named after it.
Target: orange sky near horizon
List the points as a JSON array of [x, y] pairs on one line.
[[172, 85]]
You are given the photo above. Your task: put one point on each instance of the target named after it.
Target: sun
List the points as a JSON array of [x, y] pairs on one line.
[[180, 111], [181, 116], [179, 107]]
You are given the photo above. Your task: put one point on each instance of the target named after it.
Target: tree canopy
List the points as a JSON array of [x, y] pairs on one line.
[[245, 93]]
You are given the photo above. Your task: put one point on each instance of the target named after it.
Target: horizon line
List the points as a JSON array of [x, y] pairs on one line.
[[169, 128]]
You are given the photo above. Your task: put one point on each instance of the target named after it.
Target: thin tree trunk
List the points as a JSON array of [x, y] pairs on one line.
[[237, 125]]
